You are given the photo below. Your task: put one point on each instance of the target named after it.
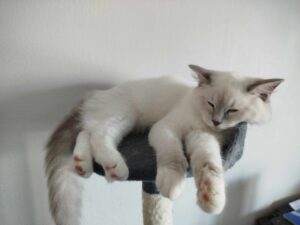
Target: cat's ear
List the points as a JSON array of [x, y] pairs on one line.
[[264, 88], [203, 75]]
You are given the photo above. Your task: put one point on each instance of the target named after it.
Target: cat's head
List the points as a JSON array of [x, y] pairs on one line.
[[225, 100]]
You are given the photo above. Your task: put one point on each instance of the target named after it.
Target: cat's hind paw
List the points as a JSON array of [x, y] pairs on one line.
[[211, 190], [83, 165], [170, 182], [116, 170], [82, 158]]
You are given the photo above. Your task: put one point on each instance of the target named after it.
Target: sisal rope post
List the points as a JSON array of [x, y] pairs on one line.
[[157, 210]]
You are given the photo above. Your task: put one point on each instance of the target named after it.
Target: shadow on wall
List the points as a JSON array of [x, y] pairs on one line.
[[241, 197], [45, 106]]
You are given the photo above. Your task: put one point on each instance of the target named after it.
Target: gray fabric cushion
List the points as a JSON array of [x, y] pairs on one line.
[[141, 160]]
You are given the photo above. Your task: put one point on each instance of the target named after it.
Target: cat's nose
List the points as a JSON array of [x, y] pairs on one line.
[[216, 122]]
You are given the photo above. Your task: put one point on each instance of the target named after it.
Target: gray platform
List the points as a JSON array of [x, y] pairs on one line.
[[141, 160]]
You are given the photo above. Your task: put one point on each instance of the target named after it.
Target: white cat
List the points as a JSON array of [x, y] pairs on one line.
[[177, 112]]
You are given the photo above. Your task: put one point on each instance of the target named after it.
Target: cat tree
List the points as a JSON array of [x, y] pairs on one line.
[[141, 160]]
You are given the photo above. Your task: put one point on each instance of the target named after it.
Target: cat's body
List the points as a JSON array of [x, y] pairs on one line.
[[177, 112]]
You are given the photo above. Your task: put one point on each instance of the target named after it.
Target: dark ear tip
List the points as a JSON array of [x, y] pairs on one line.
[[279, 80], [197, 68], [192, 66]]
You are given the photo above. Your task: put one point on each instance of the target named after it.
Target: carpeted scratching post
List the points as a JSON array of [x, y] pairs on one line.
[[141, 161]]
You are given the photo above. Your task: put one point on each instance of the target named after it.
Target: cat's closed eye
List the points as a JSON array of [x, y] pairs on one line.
[[231, 111], [211, 104]]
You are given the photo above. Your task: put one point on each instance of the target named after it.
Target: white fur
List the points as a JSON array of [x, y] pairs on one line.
[[109, 115], [206, 162], [176, 111]]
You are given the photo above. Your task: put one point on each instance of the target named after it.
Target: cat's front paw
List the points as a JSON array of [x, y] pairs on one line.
[[170, 182], [211, 189], [115, 169]]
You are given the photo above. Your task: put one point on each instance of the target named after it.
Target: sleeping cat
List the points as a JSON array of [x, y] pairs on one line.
[[177, 113]]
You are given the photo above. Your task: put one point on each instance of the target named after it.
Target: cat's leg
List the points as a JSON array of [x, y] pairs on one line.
[[171, 162], [206, 162], [82, 158], [104, 139]]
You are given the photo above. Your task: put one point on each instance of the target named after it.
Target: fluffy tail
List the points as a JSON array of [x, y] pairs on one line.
[[63, 184]]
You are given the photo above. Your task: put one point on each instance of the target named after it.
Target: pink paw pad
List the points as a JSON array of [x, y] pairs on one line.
[[110, 167], [205, 185], [76, 158], [205, 197], [79, 170], [114, 176]]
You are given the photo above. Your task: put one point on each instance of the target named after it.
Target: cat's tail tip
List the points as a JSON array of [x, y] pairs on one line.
[[64, 192]]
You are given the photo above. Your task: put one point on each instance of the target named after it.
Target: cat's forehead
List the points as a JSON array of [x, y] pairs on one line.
[[225, 97], [227, 83], [227, 91]]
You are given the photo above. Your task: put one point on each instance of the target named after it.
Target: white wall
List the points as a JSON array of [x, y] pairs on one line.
[[52, 51]]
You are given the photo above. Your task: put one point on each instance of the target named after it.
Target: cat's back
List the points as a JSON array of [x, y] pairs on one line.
[[155, 97], [148, 99]]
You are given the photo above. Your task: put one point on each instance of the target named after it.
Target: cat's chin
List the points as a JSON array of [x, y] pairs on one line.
[[218, 129], [215, 129]]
